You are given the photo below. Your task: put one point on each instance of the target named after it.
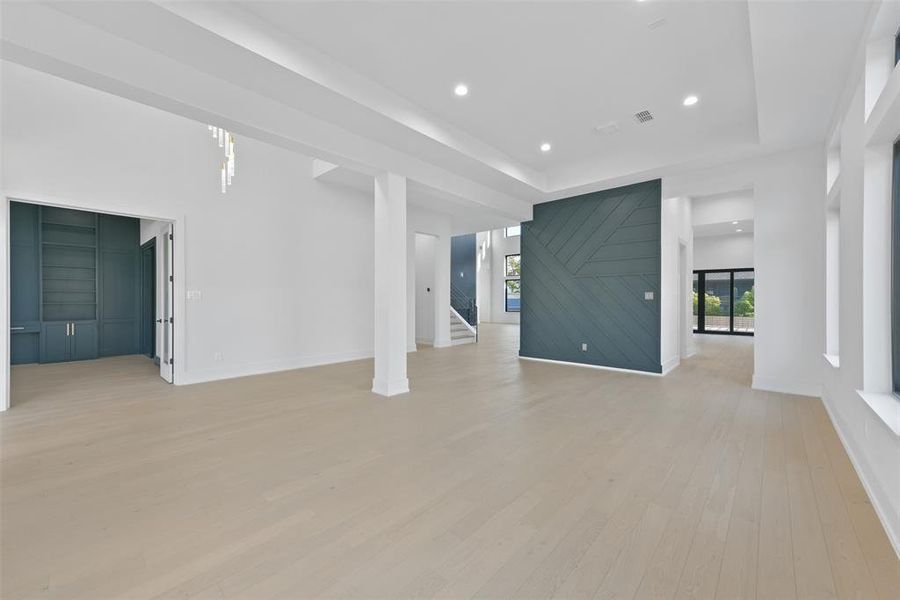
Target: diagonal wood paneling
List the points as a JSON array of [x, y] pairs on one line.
[[586, 263]]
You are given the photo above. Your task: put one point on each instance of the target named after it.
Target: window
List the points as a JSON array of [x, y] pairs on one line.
[[513, 282], [728, 304], [513, 265], [895, 273], [514, 231]]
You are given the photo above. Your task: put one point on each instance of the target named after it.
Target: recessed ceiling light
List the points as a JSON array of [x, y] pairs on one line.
[[690, 100], [545, 147], [734, 222], [461, 89], [739, 230]]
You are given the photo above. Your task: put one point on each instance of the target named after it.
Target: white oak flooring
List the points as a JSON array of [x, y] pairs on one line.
[[493, 478]]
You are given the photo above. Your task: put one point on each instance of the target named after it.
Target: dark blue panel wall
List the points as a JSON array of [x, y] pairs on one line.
[[587, 262], [119, 258], [462, 275], [24, 292]]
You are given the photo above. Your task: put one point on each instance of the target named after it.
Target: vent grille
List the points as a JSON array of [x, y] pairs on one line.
[[643, 116]]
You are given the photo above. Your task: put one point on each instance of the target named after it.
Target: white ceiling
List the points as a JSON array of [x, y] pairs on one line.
[[545, 71], [368, 85], [726, 228]]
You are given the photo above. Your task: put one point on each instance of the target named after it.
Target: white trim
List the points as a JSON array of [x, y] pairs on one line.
[[833, 359], [601, 367], [886, 406], [872, 489], [799, 387], [671, 364], [261, 368]]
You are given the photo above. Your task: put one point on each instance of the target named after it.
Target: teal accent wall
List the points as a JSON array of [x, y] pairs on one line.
[[24, 292], [120, 285], [74, 284], [463, 275], [587, 262]]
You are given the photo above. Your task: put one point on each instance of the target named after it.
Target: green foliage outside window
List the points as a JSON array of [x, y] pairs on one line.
[[744, 307], [713, 305]]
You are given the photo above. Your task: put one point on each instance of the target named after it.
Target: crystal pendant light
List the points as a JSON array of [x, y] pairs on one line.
[[225, 139]]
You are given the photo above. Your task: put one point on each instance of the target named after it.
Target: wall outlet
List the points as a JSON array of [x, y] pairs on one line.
[[583, 347], [217, 357], [648, 295]]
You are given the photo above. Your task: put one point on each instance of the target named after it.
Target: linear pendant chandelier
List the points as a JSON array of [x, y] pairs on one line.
[[226, 141]]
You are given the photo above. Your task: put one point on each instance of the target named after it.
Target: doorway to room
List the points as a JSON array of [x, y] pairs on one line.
[[148, 300], [87, 288], [425, 296]]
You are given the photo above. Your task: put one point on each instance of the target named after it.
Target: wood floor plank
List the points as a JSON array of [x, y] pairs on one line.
[[775, 565], [812, 569], [848, 565]]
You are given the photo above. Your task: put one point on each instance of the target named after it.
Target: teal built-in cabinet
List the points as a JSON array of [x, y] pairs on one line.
[[74, 288]]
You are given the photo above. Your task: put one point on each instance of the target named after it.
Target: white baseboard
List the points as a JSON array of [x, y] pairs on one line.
[[287, 364], [880, 500], [784, 385], [424, 342], [390, 388], [670, 365], [601, 367]]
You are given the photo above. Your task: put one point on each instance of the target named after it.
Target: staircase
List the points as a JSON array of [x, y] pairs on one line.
[[460, 331], [463, 317]]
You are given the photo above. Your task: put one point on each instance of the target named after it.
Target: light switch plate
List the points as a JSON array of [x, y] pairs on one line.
[[648, 295], [584, 347], [194, 295]]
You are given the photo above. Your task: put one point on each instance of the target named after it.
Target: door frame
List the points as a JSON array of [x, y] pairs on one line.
[[701, 306], [149, 245], [107, 207]]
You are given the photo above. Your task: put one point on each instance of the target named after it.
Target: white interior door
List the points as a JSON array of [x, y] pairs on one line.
[[167, 360]]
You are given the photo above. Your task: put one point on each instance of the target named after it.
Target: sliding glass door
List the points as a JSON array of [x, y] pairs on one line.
[[724, 301]]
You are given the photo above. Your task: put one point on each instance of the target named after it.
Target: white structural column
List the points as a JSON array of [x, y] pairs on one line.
[[390, 285]]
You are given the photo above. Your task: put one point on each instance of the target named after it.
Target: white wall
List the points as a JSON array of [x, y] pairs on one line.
[[733, 251], [283, 262], [484, 290], [424, 284], [789, 223], [438, 226], [500, 247], [676, 335], [723, 207], [862, 197]]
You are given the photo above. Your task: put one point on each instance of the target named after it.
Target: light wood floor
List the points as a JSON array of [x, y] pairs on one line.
[[494, 478]]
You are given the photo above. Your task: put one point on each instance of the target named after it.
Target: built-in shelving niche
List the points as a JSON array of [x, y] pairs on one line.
[[69, 265]]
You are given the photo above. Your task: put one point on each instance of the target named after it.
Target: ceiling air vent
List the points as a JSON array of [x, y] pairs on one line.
[[643, 116]]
